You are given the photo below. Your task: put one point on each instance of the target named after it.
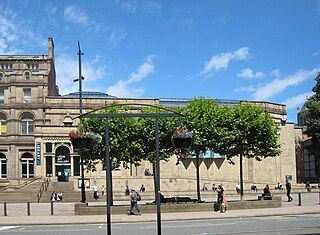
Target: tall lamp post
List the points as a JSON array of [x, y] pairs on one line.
[[83, 191]]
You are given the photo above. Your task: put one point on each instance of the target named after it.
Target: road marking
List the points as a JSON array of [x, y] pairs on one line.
[[7, 227]]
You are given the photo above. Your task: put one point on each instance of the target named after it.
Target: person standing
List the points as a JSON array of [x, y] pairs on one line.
[[288, 188], [134, 202], [95, 192], [102, 190]]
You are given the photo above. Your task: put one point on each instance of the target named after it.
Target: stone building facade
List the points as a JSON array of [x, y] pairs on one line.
[[35, 121]]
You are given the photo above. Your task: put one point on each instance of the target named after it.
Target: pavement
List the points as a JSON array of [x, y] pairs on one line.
[[40, 213]]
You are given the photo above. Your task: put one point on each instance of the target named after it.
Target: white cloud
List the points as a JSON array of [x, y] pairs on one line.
[[116, 36], [222, 60], [278, 85], [9, 30], [249, 73], [129, 5], [76, 15], [68, 70], [123, 87], [244, 89], [296, 101]]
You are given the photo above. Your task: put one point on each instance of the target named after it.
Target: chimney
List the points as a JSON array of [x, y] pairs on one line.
[[50, 48]]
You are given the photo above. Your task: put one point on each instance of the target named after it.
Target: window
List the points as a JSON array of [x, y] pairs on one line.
[[3, 166], [27, 75], [26, 95], [49, 166], [76, 166], [27, 124], [3, 125], [1, 96], [1, 77], [49, 147], [27, 166]]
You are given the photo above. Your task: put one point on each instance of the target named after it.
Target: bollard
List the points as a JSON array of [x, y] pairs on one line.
[[5, 209], [52, 208], [319, 198], [28, 208], [299, 199]]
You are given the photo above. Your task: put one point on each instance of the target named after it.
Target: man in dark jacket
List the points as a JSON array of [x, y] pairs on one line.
[[288, 188]]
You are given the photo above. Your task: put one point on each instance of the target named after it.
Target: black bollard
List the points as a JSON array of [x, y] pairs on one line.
[[52, 208], [319, 198], [5, 209], [299, 199], [28, 208]]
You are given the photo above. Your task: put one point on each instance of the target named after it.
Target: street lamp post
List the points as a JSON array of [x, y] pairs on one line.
[[83, 192]]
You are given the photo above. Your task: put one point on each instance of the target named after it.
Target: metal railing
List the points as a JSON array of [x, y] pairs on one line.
[[20, 185], [44, 186]]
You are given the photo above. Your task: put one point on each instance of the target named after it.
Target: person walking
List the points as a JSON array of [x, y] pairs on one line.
[[288, 188], [134, 202]]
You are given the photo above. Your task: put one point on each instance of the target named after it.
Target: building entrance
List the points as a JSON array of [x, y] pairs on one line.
[[63, 164]]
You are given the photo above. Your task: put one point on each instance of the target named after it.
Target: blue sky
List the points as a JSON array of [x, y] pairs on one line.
[[242, 50]]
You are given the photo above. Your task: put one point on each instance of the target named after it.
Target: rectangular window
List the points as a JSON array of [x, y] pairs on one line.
[[26, 95], [76, 166], [1, 96], [49, 147], [27, 126], [3, 127], [3, 169], [49, 166]]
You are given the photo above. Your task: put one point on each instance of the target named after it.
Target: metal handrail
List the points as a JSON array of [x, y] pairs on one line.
[[20, 185], [43, 188]]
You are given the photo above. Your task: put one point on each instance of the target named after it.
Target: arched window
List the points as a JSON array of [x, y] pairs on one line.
[[3, 166], [27, 75], [1, 77], [3, 124], [27, 124], [27, 165]]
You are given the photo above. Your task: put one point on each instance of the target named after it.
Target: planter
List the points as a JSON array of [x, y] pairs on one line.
[[81, 144], [182, 143]]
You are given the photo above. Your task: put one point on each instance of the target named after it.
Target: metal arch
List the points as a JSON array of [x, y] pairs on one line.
[[92, 113]]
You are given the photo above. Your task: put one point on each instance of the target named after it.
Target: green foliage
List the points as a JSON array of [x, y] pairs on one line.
[[311, 117]]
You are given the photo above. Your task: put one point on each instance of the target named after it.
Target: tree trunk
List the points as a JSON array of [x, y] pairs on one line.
[[241, 178], [198, 177]]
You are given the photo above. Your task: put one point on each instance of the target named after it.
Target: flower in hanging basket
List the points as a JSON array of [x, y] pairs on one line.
[[82, 140], [182, 139]]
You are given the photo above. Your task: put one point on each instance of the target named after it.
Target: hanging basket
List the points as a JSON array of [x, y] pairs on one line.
[[82, 141], [182, 140], [81, 144]]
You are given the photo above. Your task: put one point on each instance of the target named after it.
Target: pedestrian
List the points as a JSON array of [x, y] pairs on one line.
[[238, 188], [266, 191], [288, 188], [95, 192], [222, 199], [102, 190], [254, 187], [142, 188], [53, 196], [59, 196], [127, 191], [134, 197], [204, 188], [308, 186], [214, 188]]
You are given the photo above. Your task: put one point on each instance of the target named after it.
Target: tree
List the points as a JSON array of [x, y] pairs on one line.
[[311, 117], [201, 118], [131, 139], [246, 131]]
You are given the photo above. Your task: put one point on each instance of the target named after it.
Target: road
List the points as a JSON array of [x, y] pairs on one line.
[[302, 224]]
